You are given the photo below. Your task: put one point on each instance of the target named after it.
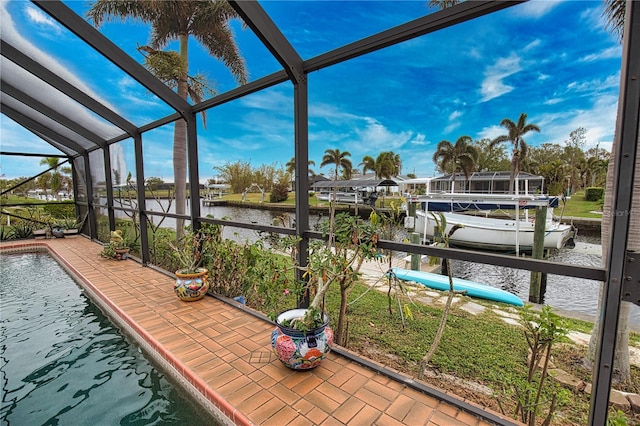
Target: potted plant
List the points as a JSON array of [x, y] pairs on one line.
[[192, 281], [118, 247], [302, 337], [70, 226]]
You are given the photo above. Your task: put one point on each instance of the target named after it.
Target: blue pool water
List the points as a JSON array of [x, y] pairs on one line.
[[62, 362]]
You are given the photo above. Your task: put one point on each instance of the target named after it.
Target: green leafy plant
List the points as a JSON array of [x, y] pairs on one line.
[[541, 330], [117, 242], [188, 252], [350, 240]]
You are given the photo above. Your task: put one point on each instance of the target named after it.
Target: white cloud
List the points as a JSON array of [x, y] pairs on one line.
[[534, 8], [419, 140], [553, 101], [609, 53], [493, 85], [491, 132], [41, 19], [454, 115], [598, 120]]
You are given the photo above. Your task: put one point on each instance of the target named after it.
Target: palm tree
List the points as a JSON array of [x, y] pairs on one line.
[[291, 167], [516, 131], [339, 160], [368, 163], [208, 23], [386, 165], [461, 156], [53, 179]]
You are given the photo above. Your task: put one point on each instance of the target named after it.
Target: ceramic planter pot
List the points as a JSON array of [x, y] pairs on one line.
[[122, 254], [301, 350], [190, 287]]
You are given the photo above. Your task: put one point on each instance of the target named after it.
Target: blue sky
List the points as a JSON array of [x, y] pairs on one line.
[[554, 61]]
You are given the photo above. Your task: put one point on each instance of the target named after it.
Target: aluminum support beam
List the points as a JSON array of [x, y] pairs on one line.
[[68, 18], [194, 173], [51, 113], [625, 163], [257, 19], [448, 17], [108, 183], [245, 89], [62, 85], [141, 198], [301, 147], [91, 215]]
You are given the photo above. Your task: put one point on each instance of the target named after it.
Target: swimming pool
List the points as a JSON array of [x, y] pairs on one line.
[[64, 362]]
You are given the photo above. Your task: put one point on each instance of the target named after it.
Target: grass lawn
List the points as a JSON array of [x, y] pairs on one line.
[[577, 206]]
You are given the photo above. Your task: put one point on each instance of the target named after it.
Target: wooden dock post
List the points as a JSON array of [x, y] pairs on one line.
[[538, 282], [416, 259]]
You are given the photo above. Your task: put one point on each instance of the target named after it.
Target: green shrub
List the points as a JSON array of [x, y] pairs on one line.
[[60, 210], [593, 193], [279, 192]]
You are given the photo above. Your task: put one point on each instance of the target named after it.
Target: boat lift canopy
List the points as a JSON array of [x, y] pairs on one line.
[[466, 202]]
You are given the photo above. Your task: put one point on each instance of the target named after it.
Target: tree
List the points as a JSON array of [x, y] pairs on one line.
[[574, 154], [368, 163], [338, 159], [490, 158], [238, 175], [291, 167], [53, 179], [515, 135], [387, 165], [208, 23], [458, 157], [614, 13]]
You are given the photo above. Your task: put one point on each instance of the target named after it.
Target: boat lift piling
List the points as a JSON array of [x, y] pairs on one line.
[[538, 281]]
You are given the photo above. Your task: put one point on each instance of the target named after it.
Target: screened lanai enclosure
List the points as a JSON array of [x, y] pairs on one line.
[[96, 130]]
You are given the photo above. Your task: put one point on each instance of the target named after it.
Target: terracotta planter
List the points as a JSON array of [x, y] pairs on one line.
[[70, 233], [190, 287], [122, 254], [301, 350]]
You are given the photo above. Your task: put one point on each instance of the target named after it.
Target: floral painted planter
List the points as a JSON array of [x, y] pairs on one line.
[[299, 350], [190, 287], [122, 254]]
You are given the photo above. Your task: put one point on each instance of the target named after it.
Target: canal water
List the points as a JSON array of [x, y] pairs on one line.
[[573, 295]]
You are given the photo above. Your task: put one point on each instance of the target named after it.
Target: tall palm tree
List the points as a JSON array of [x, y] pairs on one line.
[[515, 135], [208, 22], [368, 163], [339, 159], [290, 167], [459, 157], [386, 165], [614, 11], [53, 179]]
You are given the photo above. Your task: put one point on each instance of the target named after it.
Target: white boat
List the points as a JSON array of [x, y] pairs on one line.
[[495, 234], [490, 233], [341, 197]]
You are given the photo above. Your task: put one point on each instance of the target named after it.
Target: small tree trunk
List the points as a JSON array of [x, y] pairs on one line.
[[443, 321]]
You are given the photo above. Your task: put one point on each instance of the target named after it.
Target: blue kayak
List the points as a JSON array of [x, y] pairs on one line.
[[472, 289]]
